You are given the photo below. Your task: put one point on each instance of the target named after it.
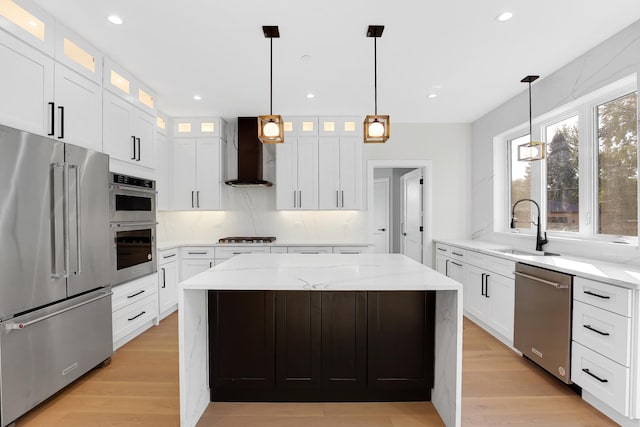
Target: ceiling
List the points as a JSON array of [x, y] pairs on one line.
[[453, 48]]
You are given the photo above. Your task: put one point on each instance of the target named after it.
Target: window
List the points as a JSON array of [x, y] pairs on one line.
[[618, 166], [520, 183], [587, 185], [563, 198]]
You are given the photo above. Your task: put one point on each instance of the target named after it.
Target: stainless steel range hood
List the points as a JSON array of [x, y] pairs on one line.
[[249, 155]]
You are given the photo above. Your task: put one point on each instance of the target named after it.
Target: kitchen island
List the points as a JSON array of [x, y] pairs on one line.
[[373, 277]]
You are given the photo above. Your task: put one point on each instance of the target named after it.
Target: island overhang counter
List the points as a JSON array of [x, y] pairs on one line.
[[370, 274]]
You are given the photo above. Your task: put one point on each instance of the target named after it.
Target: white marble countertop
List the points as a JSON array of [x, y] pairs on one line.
[[161, 246], [335, 272], [618, 274]]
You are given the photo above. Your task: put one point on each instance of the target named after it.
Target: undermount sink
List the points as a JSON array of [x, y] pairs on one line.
[[512, 251]]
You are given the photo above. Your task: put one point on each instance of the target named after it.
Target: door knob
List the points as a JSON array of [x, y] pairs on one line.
[[382, 229]]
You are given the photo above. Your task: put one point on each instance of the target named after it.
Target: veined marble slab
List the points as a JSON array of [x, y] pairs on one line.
[[332, 272]]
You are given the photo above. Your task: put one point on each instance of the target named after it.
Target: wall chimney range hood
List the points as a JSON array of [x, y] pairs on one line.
[[249, 155]]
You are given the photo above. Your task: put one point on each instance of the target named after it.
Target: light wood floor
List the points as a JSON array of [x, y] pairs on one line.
[[140, 388]]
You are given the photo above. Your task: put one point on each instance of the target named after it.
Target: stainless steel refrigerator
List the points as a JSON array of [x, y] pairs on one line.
[[55, 267]]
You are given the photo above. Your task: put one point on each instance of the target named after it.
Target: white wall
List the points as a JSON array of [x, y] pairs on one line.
[[251, 211], [615, 58]]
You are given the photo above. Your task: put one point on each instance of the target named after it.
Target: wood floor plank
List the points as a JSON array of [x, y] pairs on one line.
[[140, 389]]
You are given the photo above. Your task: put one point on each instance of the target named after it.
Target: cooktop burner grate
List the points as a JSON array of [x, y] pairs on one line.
[[241, 239]]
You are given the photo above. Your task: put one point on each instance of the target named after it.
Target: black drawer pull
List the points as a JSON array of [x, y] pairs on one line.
[[136, 294], [136, 316], [456, 253], [455, 263], [197, 253], [168, 256], [440, 249], [597, 295], [591, 328], [602, 380]]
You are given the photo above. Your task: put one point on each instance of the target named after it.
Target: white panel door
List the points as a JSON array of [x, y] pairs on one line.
[[208, 173], [412, 215], [287, 174], [168, 286], [191, 267], [26, 87], [184, 174], [500, 293], [144, 129], [81, 101], [381, 220], [475, 302], [329, 172], [308, 172], [163, 172], [350, 172], [118, 138]]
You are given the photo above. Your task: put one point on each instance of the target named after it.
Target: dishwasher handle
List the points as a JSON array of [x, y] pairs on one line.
[[537, 279]]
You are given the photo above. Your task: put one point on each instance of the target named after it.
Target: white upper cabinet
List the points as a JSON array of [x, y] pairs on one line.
[[122, 83], [162, 162], [77, 112], [340, 164], [77, 54], [199, 127], [128, 132], [28, 22], [198, 164], [297, 168], [26, 86]]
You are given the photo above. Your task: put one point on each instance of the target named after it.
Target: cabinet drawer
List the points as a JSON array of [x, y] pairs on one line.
[[197, 252], [130, 318], [134, 291], [603, 295], [475, 258], [602, 331], [311, 250], [166, 256], [351, 249], [442, 249], [227, 252], [604, 378], [457, 253], [278, 249]]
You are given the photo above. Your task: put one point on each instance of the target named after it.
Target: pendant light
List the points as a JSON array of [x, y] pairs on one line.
[[270, 128], [376, 127], [531, 150]]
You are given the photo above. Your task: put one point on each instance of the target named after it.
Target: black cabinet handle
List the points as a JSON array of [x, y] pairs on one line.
[[53, 119], [482, 284], [455, 263], [133, 138], [486, 285], [602, 380], [441, 249], [591, 328], [61, 136], [136, 294], [446, 268], [139, 150], [136, 316], [168, 256], [164, 277], [456, 253], [593, 294]]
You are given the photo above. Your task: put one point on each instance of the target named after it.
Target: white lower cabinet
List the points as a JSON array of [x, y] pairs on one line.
[[225, 252], [135, 308], [195, 259], [167, 282], [351, 250], [309, 250]]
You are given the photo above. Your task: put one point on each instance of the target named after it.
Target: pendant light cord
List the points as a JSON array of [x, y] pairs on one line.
[[530, 119], [375, 74], [271, 78]]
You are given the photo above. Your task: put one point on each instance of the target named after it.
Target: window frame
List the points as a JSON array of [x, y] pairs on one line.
[[586, 108]]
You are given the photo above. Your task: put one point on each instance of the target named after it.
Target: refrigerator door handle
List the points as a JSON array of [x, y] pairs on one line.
[[18, 326], [65, 216], [77, 225], [55, 235]]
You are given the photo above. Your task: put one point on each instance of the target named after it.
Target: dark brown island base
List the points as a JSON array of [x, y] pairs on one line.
[[319, 346]]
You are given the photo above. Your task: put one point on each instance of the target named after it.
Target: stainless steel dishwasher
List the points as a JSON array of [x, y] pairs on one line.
[[542, 328]]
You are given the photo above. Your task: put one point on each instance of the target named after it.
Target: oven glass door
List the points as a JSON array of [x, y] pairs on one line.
[[128, 205], [133, 247]]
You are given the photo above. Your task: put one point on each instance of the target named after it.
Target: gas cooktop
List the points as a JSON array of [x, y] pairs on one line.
[[241, 239]]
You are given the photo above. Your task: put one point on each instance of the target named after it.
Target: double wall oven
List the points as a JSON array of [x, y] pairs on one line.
[[133, 226]]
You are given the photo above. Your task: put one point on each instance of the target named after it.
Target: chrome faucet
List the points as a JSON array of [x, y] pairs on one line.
[[539, 240]]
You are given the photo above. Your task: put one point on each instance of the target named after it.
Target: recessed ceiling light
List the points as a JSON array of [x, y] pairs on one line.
[[432, 95], [197, 97], [115, 19], [306, 58], [504, 16], [310, 95]]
